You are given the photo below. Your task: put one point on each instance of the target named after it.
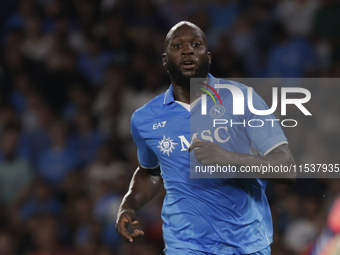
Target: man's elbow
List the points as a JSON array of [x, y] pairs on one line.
[[285, 158], [290, 163]]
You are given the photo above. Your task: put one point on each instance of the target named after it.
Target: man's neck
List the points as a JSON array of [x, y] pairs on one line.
[[183, 95]]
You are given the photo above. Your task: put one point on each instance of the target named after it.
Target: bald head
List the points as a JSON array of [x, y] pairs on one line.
[[169, 36]]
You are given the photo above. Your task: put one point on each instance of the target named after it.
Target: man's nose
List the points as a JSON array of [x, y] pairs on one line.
[[187, 49]]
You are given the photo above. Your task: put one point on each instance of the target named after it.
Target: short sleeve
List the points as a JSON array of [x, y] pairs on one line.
[[270, 135], [147, 158]]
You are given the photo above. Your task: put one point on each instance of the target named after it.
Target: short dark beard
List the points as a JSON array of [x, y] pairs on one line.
[[178, 78]]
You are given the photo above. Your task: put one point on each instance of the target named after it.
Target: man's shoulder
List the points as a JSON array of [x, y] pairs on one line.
[[233, 87], [234, 83], [150, 110], [214, 81]]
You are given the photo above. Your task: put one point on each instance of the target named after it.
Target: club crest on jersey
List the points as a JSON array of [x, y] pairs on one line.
[[166, 145]]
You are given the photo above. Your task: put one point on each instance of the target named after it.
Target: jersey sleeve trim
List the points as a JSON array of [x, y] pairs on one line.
[[145, 155], [274, 147], [148, 167]]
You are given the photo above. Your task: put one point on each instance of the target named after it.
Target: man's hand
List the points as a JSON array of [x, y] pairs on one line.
[[124, 219], [144, 186], [208, 153]]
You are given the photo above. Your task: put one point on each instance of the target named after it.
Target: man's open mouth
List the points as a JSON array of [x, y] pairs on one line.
[[188, 64]]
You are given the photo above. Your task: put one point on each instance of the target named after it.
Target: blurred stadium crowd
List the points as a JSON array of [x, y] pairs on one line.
[[73, 71]]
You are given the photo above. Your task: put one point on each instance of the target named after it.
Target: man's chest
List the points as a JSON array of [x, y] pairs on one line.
[[170, 138]]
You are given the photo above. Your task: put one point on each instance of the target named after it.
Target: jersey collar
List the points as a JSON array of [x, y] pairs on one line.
[[169, 94]]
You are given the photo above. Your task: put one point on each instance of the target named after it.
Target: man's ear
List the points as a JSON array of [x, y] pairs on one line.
[[209, 57], [164, 59]]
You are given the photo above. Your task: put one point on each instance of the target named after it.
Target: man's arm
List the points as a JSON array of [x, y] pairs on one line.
[[144, 186], [208, 153]]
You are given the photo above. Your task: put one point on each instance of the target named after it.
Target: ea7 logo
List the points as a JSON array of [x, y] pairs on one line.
[[238, 100], [159, 124]]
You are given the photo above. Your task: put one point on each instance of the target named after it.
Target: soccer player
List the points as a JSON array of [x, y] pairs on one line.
[[201, 216]]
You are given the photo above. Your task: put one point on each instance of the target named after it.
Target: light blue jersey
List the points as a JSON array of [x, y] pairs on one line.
[[215, 216]]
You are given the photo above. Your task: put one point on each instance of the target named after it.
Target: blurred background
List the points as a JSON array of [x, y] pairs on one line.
[[73, 71]]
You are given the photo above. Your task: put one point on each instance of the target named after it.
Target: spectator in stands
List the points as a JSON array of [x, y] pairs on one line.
[[15, 171], [60, 159], [46, 238], [290, 57], [85, 139], [106, 169], [94, 61], [39, 200], [7, 243]]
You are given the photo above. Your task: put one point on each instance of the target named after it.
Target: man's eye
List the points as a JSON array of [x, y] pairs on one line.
[[177, 45], [197, 44]]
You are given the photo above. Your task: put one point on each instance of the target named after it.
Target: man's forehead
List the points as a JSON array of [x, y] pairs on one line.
[[184, 33], [184, 29]]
